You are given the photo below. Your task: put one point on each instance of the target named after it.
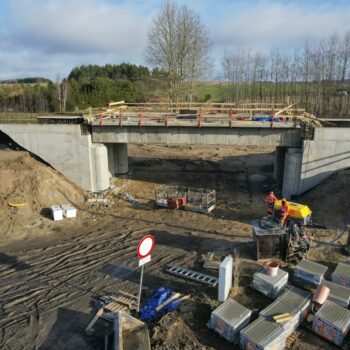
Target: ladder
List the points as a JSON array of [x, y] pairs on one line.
[[193, 275]]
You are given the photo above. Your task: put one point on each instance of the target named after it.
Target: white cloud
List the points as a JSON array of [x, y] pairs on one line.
[[272, 23], [47, 37], [52, 34]]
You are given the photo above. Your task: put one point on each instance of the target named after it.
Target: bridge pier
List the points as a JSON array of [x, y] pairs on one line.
[[118, 163], [278, 169]]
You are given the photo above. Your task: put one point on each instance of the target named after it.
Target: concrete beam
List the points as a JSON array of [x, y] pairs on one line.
[[287, 137]]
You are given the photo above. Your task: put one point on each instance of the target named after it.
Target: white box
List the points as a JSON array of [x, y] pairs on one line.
[[69, 211], [57, 213]]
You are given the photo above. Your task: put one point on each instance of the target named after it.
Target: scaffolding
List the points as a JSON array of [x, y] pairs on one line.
[[200, 200]]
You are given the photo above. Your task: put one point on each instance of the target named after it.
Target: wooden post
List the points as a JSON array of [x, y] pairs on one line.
[[273, 114], [101, 114], [120, 118], [231, 122], [200, 118]]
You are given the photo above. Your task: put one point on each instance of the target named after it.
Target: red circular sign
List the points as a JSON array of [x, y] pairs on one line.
[[145, 246]]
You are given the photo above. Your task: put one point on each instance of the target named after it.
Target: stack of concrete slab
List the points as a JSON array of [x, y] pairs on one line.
[[293, 301], [309, 273], [332, 322], [268, 285], [338, 293], [263, 334], [341, 275], [229, 318]]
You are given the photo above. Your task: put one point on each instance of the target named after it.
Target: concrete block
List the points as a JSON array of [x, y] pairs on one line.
[[225, 278]]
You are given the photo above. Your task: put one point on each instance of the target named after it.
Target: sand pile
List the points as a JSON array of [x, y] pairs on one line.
[[26, 180], [330, 201]]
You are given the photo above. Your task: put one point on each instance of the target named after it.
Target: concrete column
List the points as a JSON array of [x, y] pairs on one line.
[[278, 168], [111, 159], [225, 278], [121, 161], [292, 172], [100, 173]]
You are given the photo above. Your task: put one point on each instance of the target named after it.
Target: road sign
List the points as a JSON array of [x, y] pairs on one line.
[[145, 246], [144, 250], [145, 260]]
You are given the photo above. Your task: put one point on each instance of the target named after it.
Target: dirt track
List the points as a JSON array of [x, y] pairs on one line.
[[47, 285]]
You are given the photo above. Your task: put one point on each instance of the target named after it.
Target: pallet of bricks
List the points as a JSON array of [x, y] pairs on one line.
[[332, 322], [276, 325], [309, 274]]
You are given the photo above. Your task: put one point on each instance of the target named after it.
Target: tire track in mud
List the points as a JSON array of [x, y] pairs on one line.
[[54, 268]]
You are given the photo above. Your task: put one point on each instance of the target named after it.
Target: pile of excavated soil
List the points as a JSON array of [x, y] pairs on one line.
[[26, 180], [330, 201]]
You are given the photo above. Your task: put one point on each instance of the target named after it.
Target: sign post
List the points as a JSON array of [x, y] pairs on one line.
[[144, 250]]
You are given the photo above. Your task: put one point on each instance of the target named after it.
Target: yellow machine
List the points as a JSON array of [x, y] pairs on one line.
[[298, 213]]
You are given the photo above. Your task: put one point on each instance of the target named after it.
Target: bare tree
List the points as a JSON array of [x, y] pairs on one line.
[[179, 44]]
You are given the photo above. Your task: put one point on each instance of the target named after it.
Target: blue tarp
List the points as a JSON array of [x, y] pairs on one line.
[[148, 312], [265, 118]]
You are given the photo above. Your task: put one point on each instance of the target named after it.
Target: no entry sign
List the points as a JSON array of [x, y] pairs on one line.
[[144, 250], [146, 246]]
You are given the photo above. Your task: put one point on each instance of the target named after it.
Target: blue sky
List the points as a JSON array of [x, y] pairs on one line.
[[50, 37]]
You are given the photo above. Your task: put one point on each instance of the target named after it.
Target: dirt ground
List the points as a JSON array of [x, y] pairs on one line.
[[52, 273]]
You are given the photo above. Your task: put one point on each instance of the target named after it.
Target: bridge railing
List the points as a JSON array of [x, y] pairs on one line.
[[196, 119]]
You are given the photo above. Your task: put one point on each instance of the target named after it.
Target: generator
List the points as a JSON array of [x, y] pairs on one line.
[[299, 214]]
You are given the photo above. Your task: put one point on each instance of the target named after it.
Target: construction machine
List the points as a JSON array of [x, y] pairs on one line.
[[295, 244]]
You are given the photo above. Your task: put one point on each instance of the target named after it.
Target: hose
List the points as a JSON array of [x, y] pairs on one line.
[[328, 244]]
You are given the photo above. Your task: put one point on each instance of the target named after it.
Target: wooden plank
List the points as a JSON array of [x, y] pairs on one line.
[[94, 319], [169, 300]]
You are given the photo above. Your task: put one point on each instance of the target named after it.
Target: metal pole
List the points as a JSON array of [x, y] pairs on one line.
[[140, 290]]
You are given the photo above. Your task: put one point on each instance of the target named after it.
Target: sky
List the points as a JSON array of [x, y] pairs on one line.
[[48, 38]]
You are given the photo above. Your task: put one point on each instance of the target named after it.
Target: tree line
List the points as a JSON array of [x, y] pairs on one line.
[[314, 75]]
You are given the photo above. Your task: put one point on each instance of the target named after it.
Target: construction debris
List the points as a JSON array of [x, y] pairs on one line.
[[192, 275], [109, 305], [229, 318], [129, 198], [211, 262], [129, 333]]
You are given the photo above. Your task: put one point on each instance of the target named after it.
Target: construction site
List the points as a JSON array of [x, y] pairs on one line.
[[247, 207]]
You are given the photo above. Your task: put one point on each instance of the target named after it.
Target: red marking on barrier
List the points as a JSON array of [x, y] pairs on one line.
[[100, 118], [231, 121], [140, 120]]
